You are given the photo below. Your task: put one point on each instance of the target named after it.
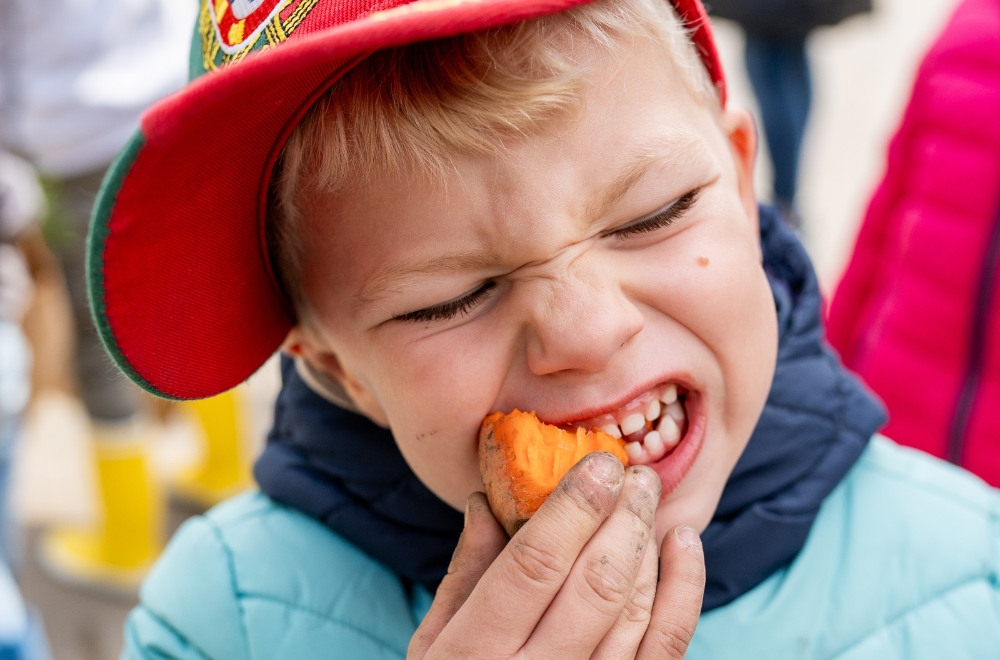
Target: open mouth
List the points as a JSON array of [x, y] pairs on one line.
[[662, 427], [652, 424]]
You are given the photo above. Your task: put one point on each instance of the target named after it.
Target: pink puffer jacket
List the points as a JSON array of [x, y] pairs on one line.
[[917, 313]]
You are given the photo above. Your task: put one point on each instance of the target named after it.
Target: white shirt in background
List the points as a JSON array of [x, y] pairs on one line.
[[75, 75]]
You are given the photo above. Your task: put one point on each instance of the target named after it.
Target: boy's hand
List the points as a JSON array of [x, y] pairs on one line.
[[577, 581]]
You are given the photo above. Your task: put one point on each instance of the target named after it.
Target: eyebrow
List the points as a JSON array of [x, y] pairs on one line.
[[674, 148], [683, 150]]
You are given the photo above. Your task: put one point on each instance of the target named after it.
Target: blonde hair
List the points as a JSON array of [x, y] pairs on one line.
[[418, 106]]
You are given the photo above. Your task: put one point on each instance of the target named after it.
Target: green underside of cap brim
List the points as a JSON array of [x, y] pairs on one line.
[[195, 60], [96, 240]]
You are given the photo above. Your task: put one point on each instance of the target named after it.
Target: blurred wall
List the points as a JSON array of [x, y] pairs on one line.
[[863, 71]]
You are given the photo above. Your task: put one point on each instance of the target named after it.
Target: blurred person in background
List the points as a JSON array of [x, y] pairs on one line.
[[22, 204], [778, 67], [917, 313], [76, 75]]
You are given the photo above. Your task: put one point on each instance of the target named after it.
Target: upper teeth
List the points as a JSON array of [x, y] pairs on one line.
[[651, 423], [632, 423], [612, 430]]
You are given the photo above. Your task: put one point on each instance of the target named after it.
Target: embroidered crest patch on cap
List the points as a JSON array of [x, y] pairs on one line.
[[230, 29]]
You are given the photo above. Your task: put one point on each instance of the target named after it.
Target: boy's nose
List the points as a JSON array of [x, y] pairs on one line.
[[579, 327]]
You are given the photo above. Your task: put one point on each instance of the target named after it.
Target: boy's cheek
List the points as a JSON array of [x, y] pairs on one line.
[[722, 297], [434, 403], [708, 279], [437, 397], [446, 462], [444, 455]]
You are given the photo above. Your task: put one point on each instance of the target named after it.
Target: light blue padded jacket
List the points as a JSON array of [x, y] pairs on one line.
[[903, 562]]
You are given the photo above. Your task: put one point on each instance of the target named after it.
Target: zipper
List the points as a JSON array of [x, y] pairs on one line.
[[959, 426]]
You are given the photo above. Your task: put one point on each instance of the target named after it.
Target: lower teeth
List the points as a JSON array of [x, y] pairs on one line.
[[652, 445], [669, 431]]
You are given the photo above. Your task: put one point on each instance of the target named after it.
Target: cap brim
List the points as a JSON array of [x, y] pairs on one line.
[[180, 279]]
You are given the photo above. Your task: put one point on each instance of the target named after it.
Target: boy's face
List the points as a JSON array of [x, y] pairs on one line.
[[590, 267]]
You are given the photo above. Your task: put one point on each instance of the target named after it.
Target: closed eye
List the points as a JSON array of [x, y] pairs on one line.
[[660, 219], [449, 310]]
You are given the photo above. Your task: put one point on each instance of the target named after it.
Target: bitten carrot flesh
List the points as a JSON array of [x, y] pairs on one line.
[[522, 460]]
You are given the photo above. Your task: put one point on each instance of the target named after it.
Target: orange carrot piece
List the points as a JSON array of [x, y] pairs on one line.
[[523, 459]]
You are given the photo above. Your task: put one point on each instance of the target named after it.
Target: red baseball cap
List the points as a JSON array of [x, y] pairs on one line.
[[180, 279]]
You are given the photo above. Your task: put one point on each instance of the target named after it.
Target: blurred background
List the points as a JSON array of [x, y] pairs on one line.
[[76, 556]]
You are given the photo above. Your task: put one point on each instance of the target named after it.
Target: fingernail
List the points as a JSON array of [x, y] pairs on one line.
[[606, 468], [647, 478], [688, 536], [465, 519]]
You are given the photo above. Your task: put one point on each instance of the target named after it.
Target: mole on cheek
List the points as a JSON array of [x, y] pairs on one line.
[[702, 261]]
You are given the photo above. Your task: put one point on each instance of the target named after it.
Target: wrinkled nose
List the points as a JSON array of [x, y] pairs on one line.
[[579, 326]]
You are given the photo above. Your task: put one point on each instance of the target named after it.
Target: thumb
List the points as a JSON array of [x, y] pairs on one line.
[[678, 596], [481, 542]]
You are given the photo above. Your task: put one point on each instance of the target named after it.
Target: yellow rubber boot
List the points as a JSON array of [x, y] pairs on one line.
[[117, 553], [224, 469]]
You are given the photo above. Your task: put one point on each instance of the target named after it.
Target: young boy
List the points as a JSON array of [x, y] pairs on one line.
[[448, 208]]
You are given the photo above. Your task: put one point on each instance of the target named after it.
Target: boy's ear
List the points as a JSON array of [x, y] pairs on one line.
[[302, 344], [741, 130]]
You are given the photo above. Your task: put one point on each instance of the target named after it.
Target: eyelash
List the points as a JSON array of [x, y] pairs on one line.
[[660, 220], [448, 310], [463, 306]]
